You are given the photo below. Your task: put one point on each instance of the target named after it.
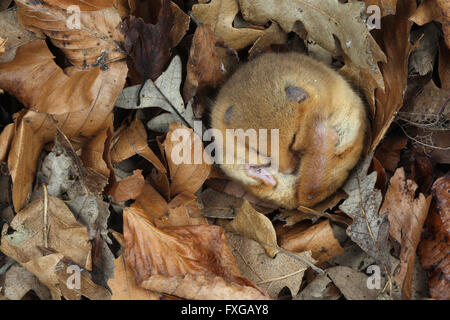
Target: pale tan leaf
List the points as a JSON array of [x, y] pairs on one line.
[[220, 14], [254, 225], [65, 234]]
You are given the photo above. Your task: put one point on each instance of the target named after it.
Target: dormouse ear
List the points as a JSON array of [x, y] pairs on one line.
[[296, 94], [227, 115]]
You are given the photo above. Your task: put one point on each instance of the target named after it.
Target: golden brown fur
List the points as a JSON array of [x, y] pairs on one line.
[[321, 137]]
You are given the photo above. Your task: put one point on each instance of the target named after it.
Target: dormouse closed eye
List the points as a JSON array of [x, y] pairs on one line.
[[296, 94], [228, 114]]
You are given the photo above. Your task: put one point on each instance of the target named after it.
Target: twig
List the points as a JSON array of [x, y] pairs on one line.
[[45, 216]]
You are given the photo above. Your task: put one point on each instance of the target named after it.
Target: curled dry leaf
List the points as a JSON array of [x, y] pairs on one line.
[[254, 225], [335, 26], [269, 274], [94, 42], [34, 129], [406, 213], [394, 39], [192, 262], [124, 286], [92, 153], [128, 188], [319, 239], [182, 147], [433, 248], [131, 139], [210, 62], [220, 14]]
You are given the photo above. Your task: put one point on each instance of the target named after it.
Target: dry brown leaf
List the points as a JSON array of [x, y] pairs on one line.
[[89, 5], [210, 62], [437, 10], [351, 283], [251, 224], [269, 274], [394, 39], [388, 152], [124, 286], [94, 43], [35, 79], [92, 153], [34, 129], [407, 213], [433, 248], [319, 239], [444, 65], [182, 210], [22, 239], [153, 206], [381, 174], [335, 26], [272, 36], [128, 188], [5, 140], [319, 289], [219, 205], [55, 272], [186, 176], [131, 139], [220, 14], [184, 261]]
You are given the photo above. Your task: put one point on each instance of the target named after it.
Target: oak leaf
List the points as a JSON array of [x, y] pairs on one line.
[[163, 93], [369, 230], [220, 14], [335, 26], [269, 274]]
